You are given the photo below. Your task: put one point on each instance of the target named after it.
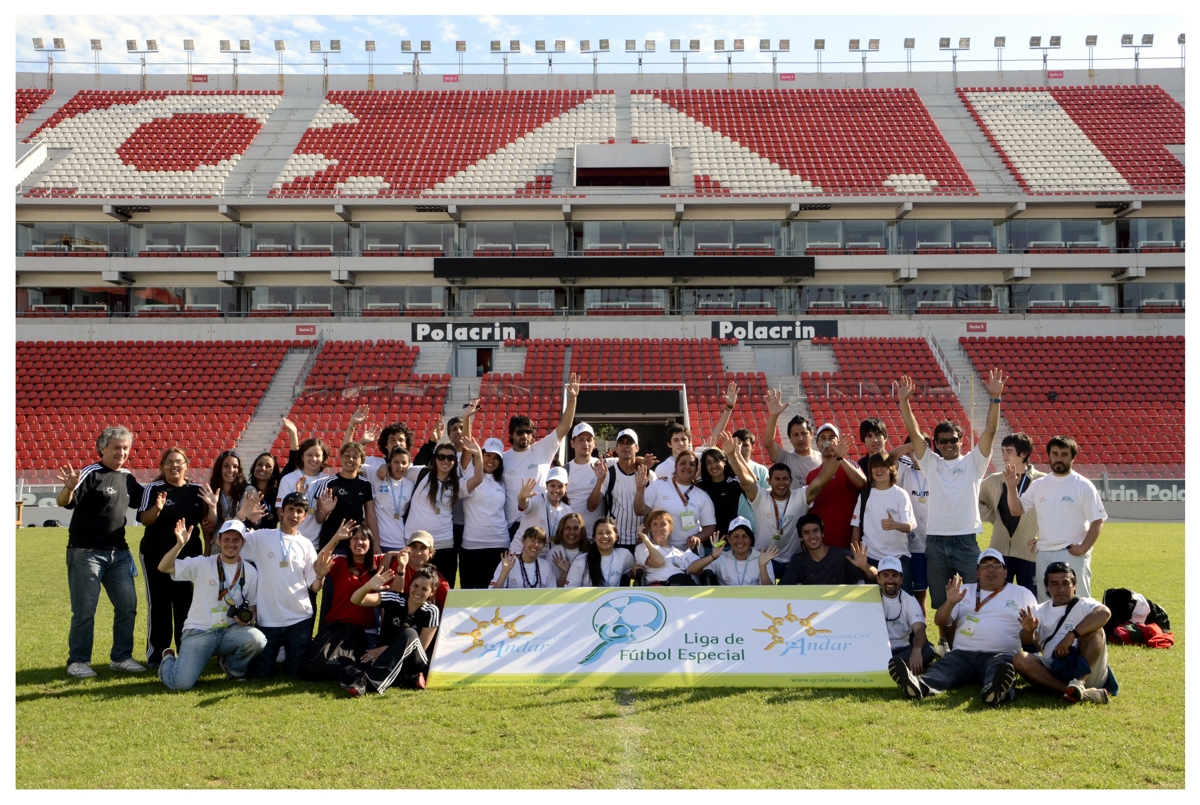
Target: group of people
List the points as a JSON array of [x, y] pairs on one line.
[[232, 568]]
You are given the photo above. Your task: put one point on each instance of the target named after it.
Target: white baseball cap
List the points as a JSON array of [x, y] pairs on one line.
[[582, 427], [494, 445], [233, 525], [556, 474], [828, 426], [890, 563], [740, 522], [630, 432], [990, 553]]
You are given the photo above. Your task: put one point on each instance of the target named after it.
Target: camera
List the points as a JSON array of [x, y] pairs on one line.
[[241, 613]]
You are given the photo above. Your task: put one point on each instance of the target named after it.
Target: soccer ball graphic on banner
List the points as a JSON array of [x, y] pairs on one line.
[[626, 619]]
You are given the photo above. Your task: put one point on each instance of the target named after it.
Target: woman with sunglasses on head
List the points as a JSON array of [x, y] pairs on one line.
[[485, 534], [169, 600], [570, 540], [431, 509], [228, 481], [314, 455], [604, 564], [531, 570]]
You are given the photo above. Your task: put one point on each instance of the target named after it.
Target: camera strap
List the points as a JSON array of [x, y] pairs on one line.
[[239, 579]]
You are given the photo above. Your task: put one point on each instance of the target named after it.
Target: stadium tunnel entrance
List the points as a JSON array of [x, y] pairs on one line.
[[647, 411]]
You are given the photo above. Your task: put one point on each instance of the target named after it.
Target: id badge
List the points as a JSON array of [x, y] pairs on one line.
[[968, 627], [219, 617], [395, 515], [687, 521], [285, 563], [777, 537]]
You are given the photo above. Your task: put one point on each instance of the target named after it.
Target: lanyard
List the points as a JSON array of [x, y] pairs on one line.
[[237, 577], [537, 569], [745, 567], [979, 604], [900, 608], [779, 517], [682, 496], [551, 527], [285, 550], [608, 572], [393, 487]]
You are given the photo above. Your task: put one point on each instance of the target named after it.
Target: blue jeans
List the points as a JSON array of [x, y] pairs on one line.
[[960, 668], [239, 643], [945, 556], [87, 571], [294, 641]]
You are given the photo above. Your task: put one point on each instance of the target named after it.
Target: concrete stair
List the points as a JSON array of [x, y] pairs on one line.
[[265, 158], [793, 392], [738, 359], [969, 144], [434, 359], [43, 113], [264, 426]]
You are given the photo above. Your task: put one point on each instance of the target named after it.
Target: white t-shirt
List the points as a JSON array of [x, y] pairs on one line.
[[371, 465], [483, 511], [665, 469], [309, 526], [996, 627], [880, 503], [1048, 616], [689, 518], [673, 558], [612, 567], [773, 517], [208, 611], [282, 590], [954, 492], [391, 499], [901, 614], [581, 480], [540, 573], [531, 463], [912, 480], [437, 520], [623, 493], [733, 573], [538, 512], [567, 553], [800, 465], [1065, 507]]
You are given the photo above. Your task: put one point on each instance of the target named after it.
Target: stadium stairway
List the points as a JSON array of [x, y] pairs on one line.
[[434, 358], [969, 144], [970, 389], [266, 157], [43, 113], [264, 425]]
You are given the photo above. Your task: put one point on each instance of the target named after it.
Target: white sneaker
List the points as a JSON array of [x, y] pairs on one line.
[[131, 665], [80, 670]]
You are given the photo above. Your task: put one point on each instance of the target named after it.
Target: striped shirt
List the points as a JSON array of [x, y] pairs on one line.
[[624, 490], [100, 501], [395, 617]]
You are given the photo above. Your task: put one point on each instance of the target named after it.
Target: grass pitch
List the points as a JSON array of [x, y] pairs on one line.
[[127, 731]]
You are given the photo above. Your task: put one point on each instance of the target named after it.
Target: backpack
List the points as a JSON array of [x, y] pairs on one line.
[[420, 477], [335, 645], [608, 490], [1121, 602]]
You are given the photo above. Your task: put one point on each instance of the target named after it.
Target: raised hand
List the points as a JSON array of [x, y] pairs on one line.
[[731, 395], [252, 506], [642, 535], [439, 428], [726, 442], [1029, 621], [302, 485], [160, 501], [381, 579], [767, 555], [470, 445], [648, 460], [527, 487], [344, 531], [471, 408], [209, 496], [601, 470], [182, 533], [68, 476], [775, 403], [508, 560], [288, 425], [995, 382], [955, 591], [718, 545], [325, 502], [905, 388], [888, 524], [841, 447], [858, 556], [401, 560], [360, 415], [559, 560], [1012, 476], [572, 386], [371, 433], [323, 562], [641, 477]]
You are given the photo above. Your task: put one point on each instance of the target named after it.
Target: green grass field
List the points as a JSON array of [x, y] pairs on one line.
[[128, 731]]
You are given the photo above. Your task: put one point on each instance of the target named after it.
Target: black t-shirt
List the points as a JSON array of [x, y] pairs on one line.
[[835, 568], [395, 617], [183, 503], [726, 496], [351, 496], [100, 501]]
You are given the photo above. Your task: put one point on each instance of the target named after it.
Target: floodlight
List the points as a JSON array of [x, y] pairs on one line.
[[96, 45], [1000, 41], [224, 45], [495, 46], [152, 45], [910, 43], [1056, 41], [1035, 42], [314, 45], [630, 45], [764, 44], [369, 45], [245, 44], [585, 46], [39, 43], [514, 44], [676, 46], [61, 44], [649, 46], [818, 44], [1126, 40], [873, 44], [1090, 41], [785, 45], [1180, 40], [944, 43], [604, 45], [1147, 40], [280, 46], [854, 44], [718, 44], [189, 45], [405, 46], [335, 45], [739, 44], [694, 44], [426, 47], [560, 46], [964, 43], [131, 45], [540, 45], [460, 46]]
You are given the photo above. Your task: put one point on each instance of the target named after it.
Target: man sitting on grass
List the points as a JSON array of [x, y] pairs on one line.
[[1070, 633], [904, 617], [985, 619]]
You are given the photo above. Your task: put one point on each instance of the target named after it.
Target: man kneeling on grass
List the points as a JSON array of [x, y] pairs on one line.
[[224, 607], [1070, 633], [985, 618]]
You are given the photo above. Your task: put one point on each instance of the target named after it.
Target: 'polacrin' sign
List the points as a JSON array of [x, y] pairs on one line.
[[467, 333], [664, 637], [774, 330]]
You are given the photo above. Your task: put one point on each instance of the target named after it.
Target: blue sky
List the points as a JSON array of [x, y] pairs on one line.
[[482, 22]]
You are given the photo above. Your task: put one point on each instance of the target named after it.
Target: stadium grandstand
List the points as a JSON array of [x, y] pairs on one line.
[[197, 263]]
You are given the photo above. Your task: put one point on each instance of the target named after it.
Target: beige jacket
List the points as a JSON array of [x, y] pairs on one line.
[[1015, 545]]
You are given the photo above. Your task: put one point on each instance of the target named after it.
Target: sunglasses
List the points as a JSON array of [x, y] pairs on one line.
[[951, 440], [445, 457]]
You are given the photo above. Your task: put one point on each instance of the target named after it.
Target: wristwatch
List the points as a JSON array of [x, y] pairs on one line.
[[996, 399], [1074, 632]]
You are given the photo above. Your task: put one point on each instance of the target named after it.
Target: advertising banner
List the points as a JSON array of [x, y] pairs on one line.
[[774, 329], [830, 637]]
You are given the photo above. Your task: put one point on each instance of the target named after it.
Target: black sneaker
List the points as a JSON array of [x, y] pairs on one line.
[[905, 679], [354, 691], [1002, 682]]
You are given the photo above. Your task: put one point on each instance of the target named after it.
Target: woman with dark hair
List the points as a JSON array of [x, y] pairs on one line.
[[392, 494], [408, 621], [532, 570], [265, 475], [345, 497], [569, 541], [604, 564], [743, 565], [431, 508], [228, 480], [169, 600], [717, 479], [314, 455], [485, 533]]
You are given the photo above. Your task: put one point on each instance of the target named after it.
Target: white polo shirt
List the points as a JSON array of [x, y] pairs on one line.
[[690, 516], [772, 517], [531, 463], [207, 611], [1065, 507], [996, 627], [285, 573], [901, 614], [673, 558], [954, 492], [892, 501]]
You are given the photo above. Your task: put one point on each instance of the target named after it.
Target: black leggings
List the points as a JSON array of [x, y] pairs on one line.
[[399, 664], [477, 566], [168, 602]]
